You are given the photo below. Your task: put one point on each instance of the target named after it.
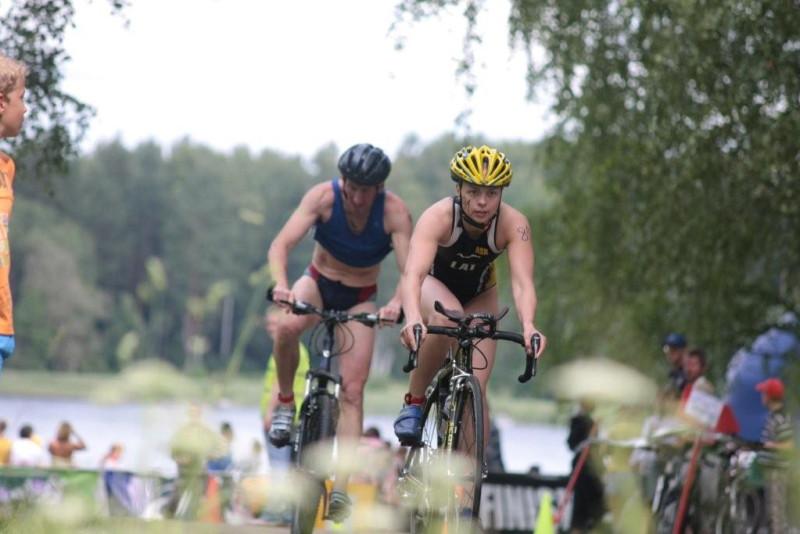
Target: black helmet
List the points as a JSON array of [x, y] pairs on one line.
[[365, 164]]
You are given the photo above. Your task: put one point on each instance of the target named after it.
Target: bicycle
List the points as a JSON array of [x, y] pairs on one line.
[[722, 497], [669, 490], [443, 473], [742, 509], [319, 411]]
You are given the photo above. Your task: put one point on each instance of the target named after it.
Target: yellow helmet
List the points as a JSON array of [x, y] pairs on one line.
[[481, 166]]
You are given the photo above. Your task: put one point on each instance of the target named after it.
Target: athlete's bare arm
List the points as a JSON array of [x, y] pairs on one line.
[[515, 235], [316, 202], [397, 222], [430, 231]]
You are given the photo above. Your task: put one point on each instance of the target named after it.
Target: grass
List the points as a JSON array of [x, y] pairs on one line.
[[382, 397]]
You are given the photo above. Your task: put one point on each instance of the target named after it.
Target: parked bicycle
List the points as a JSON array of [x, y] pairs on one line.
[[319, 412], [669, 489], [742, 508], [724, 497], [442, 476]]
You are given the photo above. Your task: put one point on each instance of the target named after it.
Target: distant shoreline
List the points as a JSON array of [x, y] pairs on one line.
[[383, 396]]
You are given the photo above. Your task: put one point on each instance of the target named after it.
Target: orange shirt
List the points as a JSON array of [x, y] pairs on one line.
[[6, 204]]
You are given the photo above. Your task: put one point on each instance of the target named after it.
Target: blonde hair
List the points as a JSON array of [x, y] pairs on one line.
[[11, 72]]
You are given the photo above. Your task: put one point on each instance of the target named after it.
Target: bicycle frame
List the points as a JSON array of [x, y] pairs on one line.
[[453, 403], [320, 407], [323, 374]]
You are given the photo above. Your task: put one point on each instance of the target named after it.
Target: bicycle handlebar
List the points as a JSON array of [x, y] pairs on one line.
[[465, 331], [299, 307]]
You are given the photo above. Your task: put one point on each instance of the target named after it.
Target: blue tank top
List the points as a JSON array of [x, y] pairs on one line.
[[356, 250]]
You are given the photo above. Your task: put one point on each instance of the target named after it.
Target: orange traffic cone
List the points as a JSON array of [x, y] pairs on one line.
[[212, 508]]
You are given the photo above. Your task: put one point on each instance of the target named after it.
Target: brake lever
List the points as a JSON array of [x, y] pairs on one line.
[[413, 355], [531, 361]]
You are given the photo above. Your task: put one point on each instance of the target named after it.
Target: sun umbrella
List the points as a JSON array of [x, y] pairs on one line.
[[602, 379]]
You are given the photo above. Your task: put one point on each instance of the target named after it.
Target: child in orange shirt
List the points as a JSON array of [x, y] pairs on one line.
[[12, 113]]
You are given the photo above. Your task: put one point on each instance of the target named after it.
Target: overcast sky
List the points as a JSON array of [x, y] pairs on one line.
[[290, 75]]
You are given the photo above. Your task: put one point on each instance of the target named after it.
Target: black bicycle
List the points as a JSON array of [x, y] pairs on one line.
[[442, 476], [741, 509], [722, 497], [319, 412]]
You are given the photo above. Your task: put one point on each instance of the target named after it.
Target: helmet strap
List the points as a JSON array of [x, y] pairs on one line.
[[466, 218]]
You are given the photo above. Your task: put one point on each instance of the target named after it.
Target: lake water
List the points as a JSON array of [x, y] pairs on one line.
[[145, 432]]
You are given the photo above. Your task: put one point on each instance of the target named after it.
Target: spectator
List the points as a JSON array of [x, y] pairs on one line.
[[694, 368], [774, 459], [191, 447], [25, 452], [111, 458], [588, 505], [62, 448], [224, 461], [5, 444], [675, 350], [12, 115], [251, 464]]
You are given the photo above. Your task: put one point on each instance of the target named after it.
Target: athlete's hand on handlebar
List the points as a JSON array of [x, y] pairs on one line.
[[408, 337], [527, 333], [282, 296], [391, 314]]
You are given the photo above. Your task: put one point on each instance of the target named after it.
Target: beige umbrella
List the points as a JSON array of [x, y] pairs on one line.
[[602, 379]]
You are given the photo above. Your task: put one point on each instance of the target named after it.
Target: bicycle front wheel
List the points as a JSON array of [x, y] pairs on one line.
[[465, 457], [318, 418], [418, 473]]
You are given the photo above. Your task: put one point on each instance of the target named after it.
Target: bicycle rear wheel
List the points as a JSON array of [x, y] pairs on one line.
[[465, 456], [318, 418]]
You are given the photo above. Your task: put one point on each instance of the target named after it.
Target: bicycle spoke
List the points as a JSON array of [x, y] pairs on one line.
[[417, 484], [466, 458]]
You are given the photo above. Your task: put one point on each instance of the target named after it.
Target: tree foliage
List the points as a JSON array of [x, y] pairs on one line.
[[32, 31], [136, 253], [675, 164]]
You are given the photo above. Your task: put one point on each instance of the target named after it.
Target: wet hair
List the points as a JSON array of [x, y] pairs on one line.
[[11, 72]]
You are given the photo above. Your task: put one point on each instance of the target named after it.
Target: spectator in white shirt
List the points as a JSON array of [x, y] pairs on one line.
[[25, 452]]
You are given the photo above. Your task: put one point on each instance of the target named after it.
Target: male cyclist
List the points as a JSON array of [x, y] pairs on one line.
[[356, 224], [451, 259]]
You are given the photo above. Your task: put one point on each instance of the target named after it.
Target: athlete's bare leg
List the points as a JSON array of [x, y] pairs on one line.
[[287, 335], [433, 352], [354, 367]]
